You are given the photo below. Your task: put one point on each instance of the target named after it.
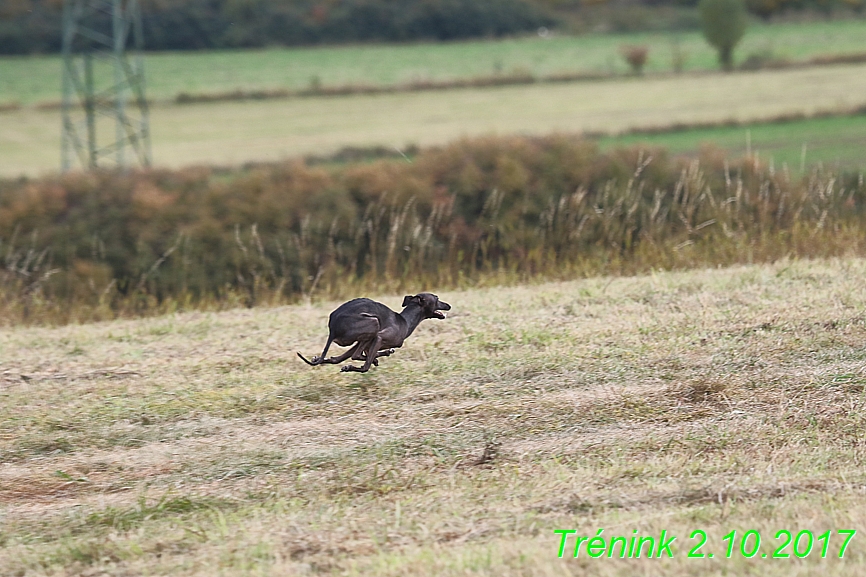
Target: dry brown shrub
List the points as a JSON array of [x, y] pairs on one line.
[[635, 56], [488, 206]]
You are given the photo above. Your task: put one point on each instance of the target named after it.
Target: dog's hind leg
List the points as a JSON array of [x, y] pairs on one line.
[[343, 357], [362, 352], [319, 359]]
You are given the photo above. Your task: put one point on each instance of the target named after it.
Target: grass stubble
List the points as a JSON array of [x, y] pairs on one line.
[[196, 444]]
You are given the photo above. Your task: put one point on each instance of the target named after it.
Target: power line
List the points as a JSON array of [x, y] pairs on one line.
[[102, 81]]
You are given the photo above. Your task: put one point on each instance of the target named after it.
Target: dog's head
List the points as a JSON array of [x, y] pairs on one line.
[[430, 303]]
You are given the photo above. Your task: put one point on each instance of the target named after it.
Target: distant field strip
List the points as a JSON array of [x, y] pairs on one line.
[[236, 132], [28, 80], [837, 142]]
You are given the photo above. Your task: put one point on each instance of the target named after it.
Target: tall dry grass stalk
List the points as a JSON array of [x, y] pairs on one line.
[[478, 211]]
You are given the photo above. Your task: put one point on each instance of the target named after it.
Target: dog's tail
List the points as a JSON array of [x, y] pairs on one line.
[[311, 363]]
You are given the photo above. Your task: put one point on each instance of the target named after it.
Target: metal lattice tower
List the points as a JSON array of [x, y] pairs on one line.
[[99, 76]]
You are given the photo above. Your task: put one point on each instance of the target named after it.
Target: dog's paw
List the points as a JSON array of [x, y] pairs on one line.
[[346, 369]]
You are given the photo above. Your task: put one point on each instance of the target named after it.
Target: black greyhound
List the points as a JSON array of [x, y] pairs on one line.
[[374, 329]]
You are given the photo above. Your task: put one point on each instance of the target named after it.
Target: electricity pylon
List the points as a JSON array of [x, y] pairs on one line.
[[98, 78]]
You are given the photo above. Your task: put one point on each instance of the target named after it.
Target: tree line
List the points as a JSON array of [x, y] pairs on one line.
[[33, 26]]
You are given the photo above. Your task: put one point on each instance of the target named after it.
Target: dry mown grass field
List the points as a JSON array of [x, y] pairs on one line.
[[232, 133], [198, 444]]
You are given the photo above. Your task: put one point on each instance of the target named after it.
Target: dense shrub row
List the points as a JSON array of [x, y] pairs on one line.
[[28, 26], [102, 244]]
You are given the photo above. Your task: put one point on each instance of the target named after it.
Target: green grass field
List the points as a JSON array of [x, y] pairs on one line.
[[231, 133], [198, 444], [837, 142], [29, 80]]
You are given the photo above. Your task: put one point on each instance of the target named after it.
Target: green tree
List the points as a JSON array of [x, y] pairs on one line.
[[723, 23]]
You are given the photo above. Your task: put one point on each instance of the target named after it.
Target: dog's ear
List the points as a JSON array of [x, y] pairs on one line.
[[408, 299]]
